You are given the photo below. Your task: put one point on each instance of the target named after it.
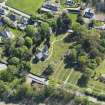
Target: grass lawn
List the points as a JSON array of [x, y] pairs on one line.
[[27, 6], [101, 68], [96, 86], [75, 75], [73, 17]]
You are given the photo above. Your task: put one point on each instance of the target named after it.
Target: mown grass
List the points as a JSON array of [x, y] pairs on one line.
[[75, 75], [27, 6], [101, 68], [73, 18], [96, 86]]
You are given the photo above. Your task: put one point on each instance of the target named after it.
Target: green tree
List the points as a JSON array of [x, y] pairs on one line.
[[44, 31], [30, 30], [20, 51], [28, 42], [63, 23], [13, 61], [24, 67], [48, 71], [20, 42], [86, 76], [2, 88]]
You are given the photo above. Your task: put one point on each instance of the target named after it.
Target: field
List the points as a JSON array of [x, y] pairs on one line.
[[27, 6]]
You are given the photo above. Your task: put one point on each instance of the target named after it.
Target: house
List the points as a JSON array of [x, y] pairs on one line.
[[88, 13], [6, 34], [69, 2], [50, 7], [21, 26], [42, 55], [2, 11], [24, 21], [13, 17]]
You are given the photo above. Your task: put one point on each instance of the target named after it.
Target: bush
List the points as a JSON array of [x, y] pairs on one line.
[[13, 61], [28, 42]]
